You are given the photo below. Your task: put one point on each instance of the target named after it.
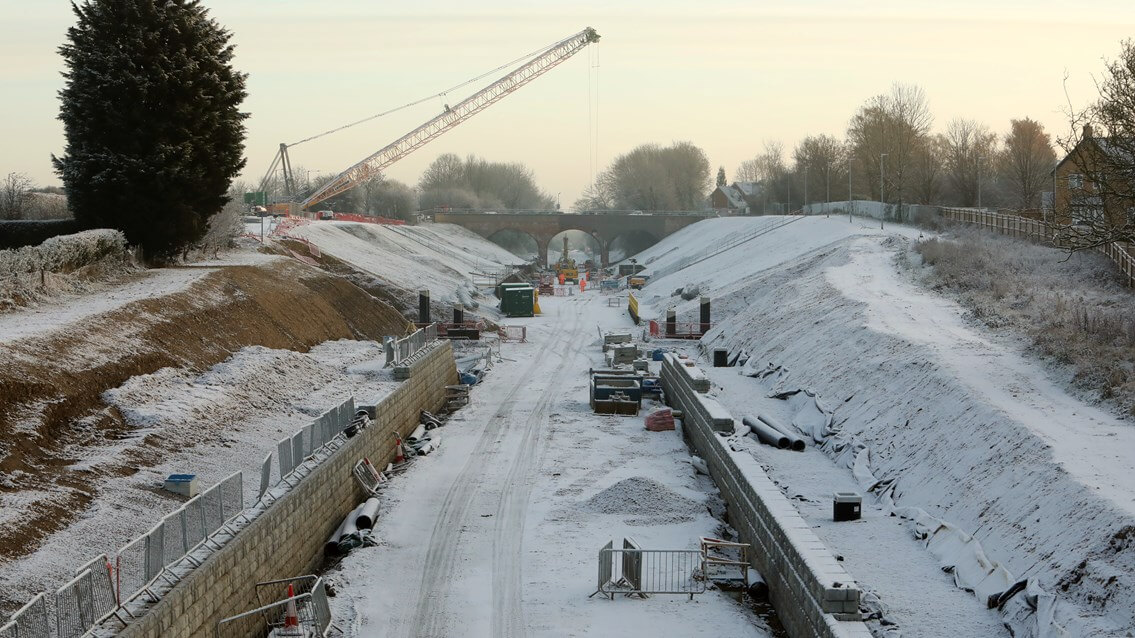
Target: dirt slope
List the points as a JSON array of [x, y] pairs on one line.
[[50, 384]]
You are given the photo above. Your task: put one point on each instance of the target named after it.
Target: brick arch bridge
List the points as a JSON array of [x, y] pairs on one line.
[[542, 226]]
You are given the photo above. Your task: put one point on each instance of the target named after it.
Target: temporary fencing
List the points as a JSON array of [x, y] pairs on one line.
[[633, 571], [104, 586], [85, 601], [309, 600], [399, 350], [31, 621]]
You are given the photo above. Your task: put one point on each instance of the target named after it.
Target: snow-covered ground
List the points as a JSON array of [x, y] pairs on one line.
[[60, 312], [497, 533], [440, 257], [210, 423], [959, 423]]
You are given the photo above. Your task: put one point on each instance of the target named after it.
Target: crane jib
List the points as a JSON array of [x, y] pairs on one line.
[[371, 166]]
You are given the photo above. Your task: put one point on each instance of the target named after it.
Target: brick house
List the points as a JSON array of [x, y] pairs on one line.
[[729, 200], [1077, 195]]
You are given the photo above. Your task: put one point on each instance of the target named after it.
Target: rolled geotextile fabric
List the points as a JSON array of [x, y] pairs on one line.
[[346, 527], [766, 434], [797, 443], [368, 514]]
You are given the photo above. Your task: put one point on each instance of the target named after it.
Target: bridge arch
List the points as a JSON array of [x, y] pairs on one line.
[[629, 242], [555, 244], [512, 238], [604, 226]]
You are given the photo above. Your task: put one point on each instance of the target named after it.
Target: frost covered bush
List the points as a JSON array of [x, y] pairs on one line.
[[67, 263], [1075, 309]]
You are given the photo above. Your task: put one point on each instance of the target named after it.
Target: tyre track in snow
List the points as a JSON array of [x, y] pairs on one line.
[[429, 619], [508, 535]]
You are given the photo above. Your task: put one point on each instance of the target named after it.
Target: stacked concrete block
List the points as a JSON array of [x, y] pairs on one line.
[[813, 594], [287, 538]]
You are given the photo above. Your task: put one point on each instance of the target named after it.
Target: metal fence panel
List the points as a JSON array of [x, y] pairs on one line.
[[155, 551], [265, 476], [232, 496], [309, 440], [173, 538], [297, 449], [102, 586], [194, 517], [31, 620], [651, 571], [213, 509], [284, 455], [130, 569], [74, 607]]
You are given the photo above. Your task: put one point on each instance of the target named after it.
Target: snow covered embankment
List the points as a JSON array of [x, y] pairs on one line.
[[1009, 479]]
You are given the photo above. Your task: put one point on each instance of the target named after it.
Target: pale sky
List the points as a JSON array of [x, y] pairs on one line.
[[724, 75]]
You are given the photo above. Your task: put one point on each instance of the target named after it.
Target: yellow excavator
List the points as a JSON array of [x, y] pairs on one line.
[[565, 267]]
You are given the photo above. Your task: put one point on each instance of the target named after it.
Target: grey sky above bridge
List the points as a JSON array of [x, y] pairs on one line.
[[724, 75]]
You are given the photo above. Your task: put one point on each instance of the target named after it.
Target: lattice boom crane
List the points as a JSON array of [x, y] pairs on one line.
[[370, 167]]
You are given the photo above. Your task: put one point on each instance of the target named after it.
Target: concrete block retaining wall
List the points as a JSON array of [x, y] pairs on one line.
[[287, 539], [813, 594]]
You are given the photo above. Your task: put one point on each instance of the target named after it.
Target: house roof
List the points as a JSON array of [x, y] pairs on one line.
[[1121, 149], [733, 196], [748, 189]]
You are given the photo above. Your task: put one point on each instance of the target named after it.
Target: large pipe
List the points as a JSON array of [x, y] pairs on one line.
[[423, 306], [798, 443], [368, 514], [767, 435], [347, 527], [671, 322], [458, 314]]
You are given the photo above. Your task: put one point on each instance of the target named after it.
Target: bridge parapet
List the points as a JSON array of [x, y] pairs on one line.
[[542, 226]]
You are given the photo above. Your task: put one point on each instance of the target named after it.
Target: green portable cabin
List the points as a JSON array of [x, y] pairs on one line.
[[518, 301], [505, 285]]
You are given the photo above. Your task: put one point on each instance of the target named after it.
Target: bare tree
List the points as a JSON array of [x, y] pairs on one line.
[[824, 159], [1100, 208], [14, 195], [651, 177], [884, 136], [1026, 162], [969, 150], [926, 171], [769, 170]]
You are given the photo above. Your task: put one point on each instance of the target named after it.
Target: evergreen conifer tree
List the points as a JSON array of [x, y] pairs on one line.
[[721, 176], [151, 114]]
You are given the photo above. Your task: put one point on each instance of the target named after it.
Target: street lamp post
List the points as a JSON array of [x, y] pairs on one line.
[[882, 199], [805, 189], [979, 181], [827, 187], [849, 204]]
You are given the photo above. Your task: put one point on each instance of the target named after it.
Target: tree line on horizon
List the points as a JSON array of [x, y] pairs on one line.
[[155, 153]]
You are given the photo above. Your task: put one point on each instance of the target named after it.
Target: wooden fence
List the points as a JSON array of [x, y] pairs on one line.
[[1026, 228]]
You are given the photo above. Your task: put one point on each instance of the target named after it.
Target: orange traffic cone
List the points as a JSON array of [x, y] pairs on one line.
[[291, 617], [398, 456]]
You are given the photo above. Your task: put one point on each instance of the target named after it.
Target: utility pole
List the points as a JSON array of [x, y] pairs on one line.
[[805, 189], [979, 181], [827, 187], [882, 199]]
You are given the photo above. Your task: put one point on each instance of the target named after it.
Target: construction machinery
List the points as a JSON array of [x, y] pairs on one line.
[[566, 267], [372, 166]]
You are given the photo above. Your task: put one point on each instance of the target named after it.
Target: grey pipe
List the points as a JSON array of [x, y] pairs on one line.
[[368, 514], [345, 528], [767, 435], [797, 443]]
